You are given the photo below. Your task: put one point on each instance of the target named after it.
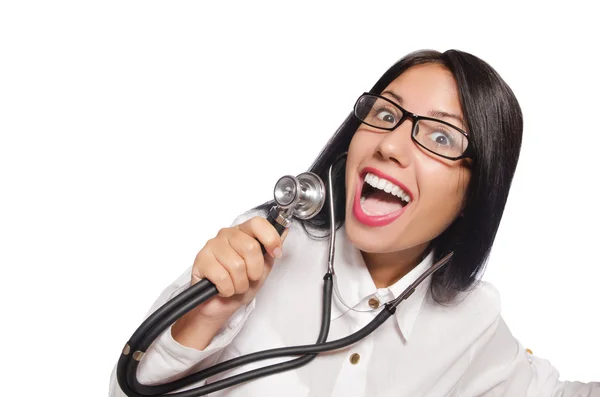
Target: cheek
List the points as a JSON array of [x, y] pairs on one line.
[[354, 149], [443, 191], [358, 149], [363, 144]]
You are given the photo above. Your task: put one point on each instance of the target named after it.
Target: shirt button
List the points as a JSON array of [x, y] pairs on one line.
[[355, 358], [529, 351], [374, 303]]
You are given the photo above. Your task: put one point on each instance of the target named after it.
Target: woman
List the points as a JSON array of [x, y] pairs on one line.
[[432, 150]]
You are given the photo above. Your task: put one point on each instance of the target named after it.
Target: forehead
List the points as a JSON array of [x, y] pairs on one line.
[[427, 88]]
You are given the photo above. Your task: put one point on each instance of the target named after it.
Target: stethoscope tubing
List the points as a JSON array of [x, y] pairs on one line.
[[203, 290], [249, 358], [127, 367], [134, 388]]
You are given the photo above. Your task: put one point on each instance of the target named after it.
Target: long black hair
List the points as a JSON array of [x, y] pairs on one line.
[[494, 121]]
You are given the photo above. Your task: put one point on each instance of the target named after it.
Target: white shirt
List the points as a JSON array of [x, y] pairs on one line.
[[424, 349]]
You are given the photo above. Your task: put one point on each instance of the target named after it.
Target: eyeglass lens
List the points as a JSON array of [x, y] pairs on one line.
[[435, 136]]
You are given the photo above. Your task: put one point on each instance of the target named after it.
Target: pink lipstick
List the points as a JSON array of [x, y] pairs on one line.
[[375, 220]]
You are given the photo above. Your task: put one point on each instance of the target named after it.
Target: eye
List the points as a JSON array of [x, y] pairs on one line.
[[440, 138], [386, 116]]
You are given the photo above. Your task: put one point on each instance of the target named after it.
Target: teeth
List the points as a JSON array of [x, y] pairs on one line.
[[386, 186]]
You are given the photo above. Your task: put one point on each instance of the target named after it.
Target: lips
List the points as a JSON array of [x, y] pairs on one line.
[[376, 220], [380, 174]]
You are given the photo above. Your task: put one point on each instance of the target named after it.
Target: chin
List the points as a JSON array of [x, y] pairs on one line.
[[372, 240], [382, 240]]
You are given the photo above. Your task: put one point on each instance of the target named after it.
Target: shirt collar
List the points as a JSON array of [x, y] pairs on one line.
[[356, 287]]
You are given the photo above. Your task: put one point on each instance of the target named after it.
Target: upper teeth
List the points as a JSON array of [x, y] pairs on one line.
[[386, 186]]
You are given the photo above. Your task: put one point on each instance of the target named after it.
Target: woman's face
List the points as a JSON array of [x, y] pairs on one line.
[[436, 187]]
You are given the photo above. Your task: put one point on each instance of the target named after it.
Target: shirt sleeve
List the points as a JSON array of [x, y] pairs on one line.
[[167, 360], [504, 368]]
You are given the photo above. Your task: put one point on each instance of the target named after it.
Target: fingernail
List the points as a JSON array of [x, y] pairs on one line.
[[277, 252]]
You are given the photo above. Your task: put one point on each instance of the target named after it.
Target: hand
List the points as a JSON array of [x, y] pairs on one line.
[[234, 262]]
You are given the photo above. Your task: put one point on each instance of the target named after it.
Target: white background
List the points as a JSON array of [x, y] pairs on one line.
[[132, 131]]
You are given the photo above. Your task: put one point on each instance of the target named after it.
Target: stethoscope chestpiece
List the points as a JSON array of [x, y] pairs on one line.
[[303, 195]]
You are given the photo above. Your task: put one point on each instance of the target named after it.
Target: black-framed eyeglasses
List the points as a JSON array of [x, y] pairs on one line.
[[436, 136]]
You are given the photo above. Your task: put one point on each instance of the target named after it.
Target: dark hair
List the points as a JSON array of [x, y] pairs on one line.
[[494, 122]]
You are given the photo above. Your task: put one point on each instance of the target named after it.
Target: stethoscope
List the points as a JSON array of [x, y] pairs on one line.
[[302, 197]]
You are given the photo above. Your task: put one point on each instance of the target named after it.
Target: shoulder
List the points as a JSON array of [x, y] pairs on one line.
[[481, 302], [470, 319], [483, 297], [481, 306]]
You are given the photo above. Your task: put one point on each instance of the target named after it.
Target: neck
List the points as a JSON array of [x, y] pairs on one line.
[[387, 268]]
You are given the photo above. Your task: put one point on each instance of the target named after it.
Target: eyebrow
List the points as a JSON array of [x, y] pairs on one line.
[[398, 98], [432, 113], [440, 114]]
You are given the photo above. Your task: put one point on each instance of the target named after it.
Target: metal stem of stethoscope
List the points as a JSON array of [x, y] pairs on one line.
[[332, 225], [297, 198]]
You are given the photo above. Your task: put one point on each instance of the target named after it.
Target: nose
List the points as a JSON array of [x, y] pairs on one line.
[[397, 145]]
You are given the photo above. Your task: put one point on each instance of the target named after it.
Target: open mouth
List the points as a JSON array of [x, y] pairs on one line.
[[381, 197]]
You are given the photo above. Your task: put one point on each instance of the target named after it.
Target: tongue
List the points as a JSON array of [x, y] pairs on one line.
[[381, 203]]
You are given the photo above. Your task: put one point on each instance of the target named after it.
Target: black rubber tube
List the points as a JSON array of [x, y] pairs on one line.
[[275, 368], [127, 367], [158, 390], [166, 315], [181, 304], [172, 310]]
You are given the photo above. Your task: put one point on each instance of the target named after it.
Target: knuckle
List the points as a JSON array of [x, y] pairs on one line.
[[238, 265], [217, 274], [221, 278], [223, 233], [255, 220], [208, 247], [255, 273], [241, 281], [242, 287], [255, 266], [251, 246], [227, 291], [226, 288], [201, 258], [257, 223]]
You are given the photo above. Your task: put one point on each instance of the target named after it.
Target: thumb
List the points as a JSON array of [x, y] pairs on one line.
[[278, 251], [269, 259]]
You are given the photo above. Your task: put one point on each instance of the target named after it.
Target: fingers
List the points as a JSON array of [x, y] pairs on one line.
[[233, 259], [260, 229], [207, 266], [235, 265]]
